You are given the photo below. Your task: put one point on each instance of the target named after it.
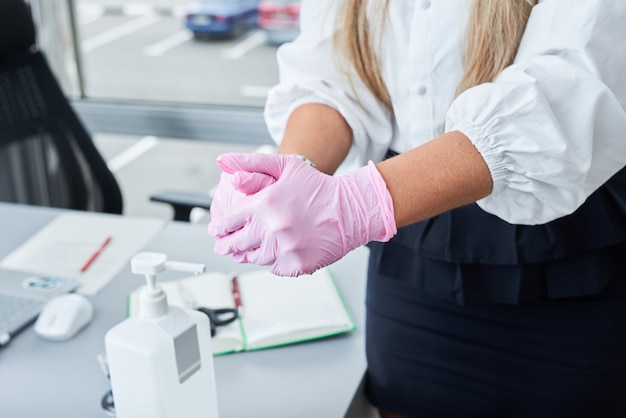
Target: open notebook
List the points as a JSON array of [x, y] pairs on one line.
[[67, 245], [277, 310]]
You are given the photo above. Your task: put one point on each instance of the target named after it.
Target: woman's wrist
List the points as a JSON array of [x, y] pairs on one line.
[[305, 159]]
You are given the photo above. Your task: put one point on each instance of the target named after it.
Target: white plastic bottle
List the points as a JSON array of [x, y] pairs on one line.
[[160, 361]]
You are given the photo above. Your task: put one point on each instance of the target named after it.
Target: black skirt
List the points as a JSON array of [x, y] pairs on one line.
[[431, 357], [470, 316]]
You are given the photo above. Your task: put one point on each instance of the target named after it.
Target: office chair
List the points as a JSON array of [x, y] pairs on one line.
[[47, 157], [184, 202]]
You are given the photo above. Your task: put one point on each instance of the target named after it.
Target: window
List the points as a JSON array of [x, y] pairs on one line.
[[150, 79], [151, 53], [156, 59]]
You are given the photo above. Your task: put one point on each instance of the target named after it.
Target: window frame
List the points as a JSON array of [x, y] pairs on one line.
[[173, 120]]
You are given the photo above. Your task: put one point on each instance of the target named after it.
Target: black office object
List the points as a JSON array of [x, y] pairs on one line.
[[183, 202], [47, 157]]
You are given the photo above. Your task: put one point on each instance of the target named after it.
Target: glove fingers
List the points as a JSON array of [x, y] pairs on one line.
[[239, 257], [217, 230], [290, 266], [249, 183], [265, 255], [238, 215], [269, 164], [241, 241]]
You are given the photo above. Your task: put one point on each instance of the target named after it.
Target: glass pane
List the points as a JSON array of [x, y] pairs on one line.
[[55, 36], [205, 51], [146, 166]]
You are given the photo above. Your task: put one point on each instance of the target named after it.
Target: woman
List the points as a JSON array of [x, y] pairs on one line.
[[497, 274]]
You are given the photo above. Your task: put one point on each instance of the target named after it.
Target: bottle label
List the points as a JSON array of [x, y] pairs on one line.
[[187, 351]]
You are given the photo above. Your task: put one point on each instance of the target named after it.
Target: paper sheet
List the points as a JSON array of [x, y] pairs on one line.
[[64, 245]]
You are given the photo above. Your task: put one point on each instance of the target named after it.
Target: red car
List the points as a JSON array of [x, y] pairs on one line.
[[280, 19]]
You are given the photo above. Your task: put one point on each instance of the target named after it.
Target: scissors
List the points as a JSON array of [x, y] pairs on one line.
[[219, 317]]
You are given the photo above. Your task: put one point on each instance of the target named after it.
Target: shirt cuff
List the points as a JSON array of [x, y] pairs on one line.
[[493, 155]]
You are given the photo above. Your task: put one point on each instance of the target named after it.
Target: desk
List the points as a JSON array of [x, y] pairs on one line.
[[317, 379]]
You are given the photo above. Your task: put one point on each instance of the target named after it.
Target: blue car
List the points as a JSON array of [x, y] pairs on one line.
[[228, 18]]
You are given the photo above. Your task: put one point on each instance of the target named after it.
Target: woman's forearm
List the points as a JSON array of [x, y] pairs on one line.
[[319, 133], [438, 176]]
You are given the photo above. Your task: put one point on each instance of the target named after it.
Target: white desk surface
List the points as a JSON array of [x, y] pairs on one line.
[[317, 379]]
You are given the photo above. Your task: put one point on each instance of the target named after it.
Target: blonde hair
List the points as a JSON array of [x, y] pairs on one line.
[[493, 35]]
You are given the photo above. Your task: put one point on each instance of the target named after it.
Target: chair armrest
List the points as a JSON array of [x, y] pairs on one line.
[[183, 202]]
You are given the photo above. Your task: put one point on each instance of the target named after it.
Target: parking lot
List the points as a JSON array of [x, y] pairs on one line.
[[143, 52]]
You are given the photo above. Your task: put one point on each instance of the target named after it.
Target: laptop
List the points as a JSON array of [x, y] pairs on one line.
[[23, 295]]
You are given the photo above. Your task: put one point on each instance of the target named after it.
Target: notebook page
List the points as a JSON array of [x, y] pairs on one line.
[[64, 245], [280, 310]]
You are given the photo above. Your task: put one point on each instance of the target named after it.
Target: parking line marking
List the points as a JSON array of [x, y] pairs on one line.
[[85, 20], [88, 13], [137, 9], [132, 153], [254, 91], [117, 32], [179, 10], [168, 43], [242, 48]]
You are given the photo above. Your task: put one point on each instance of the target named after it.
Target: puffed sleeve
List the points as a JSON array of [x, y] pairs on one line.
[[552, 126], [308, 74]]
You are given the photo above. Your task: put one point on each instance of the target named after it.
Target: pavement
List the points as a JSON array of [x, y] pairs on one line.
[[147, 165], [120, 7]]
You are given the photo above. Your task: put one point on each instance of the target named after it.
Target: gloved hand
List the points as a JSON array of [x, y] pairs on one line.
[[306, 219], [226, 195]]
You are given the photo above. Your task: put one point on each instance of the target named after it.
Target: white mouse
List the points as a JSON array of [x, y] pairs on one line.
[[63, 316]]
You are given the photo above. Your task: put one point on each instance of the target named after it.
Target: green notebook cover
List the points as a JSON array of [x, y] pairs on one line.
[[277, 311]]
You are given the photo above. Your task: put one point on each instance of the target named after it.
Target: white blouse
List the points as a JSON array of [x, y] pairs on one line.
[[551, 128]]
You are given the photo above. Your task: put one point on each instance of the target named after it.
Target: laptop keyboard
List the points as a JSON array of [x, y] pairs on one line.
[[13, 308]]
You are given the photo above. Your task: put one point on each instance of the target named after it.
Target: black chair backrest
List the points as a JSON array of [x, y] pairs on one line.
[[47, 157], [17, 29]]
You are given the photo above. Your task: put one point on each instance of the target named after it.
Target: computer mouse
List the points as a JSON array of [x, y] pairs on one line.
[[63, 316]]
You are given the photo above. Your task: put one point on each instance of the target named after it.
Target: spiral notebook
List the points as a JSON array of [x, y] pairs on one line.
[[277, 310]]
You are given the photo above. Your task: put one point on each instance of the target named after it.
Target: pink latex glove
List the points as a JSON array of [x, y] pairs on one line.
[[306, 219], [226, 194]]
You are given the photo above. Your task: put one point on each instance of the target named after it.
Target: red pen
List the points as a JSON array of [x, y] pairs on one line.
[[237, 294], [95, 255]]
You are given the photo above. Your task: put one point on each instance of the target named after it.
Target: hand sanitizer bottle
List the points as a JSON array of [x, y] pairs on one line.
[[160, 361]]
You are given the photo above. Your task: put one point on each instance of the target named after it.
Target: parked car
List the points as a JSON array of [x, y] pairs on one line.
[[228, 18], [280, 19]]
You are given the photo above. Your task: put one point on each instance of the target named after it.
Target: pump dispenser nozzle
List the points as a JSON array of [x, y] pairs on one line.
[[165, 352], [153, 299]]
